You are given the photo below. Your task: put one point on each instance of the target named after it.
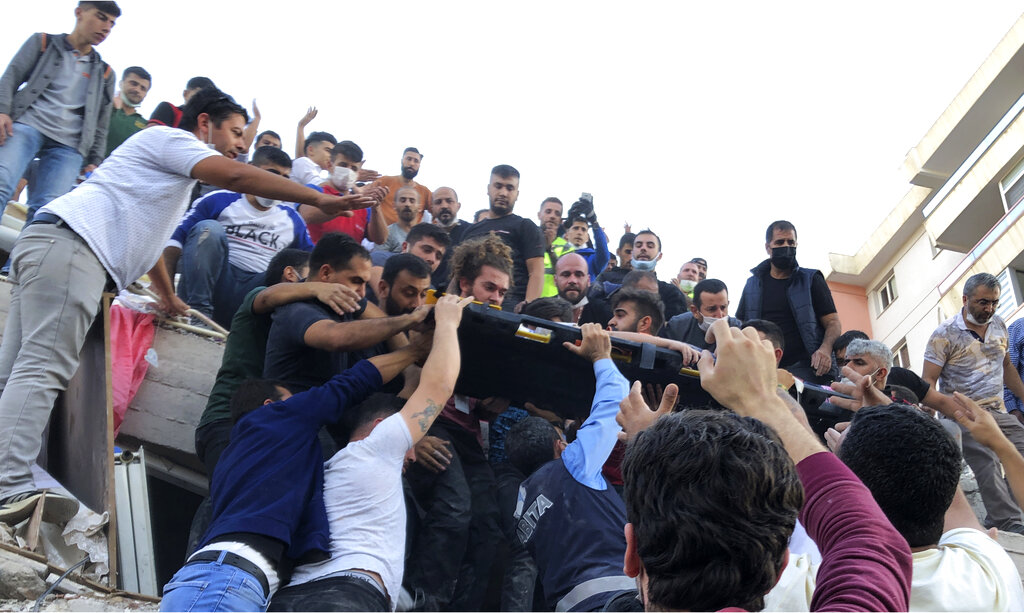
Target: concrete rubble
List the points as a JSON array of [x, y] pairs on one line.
[[25, 576]]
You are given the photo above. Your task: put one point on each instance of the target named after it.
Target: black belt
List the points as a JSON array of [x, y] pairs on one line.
[[232, 559], [47, 218]]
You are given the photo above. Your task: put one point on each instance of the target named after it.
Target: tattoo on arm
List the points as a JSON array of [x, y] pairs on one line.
[[426, 417]]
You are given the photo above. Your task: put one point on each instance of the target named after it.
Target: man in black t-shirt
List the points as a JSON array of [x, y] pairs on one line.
[[796, 299], [522, 235], [309, 341]]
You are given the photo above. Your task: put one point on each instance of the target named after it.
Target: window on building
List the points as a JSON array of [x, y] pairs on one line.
[[1012, 187], [1009, 293], [901, 355], [887, 292]]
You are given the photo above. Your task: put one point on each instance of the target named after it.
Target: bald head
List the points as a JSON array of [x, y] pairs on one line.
[[444, 206], [572, 277]]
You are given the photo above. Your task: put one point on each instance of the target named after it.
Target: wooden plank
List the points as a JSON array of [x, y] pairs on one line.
[[34, 523], [111, 494]]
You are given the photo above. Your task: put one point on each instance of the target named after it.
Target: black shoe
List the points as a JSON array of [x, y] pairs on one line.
[[1015, 527], [58, 509]]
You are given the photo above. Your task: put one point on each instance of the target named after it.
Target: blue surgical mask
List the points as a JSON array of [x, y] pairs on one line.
[[645, 266]]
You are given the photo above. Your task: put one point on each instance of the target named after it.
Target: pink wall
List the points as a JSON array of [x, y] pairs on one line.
[[852, 306]]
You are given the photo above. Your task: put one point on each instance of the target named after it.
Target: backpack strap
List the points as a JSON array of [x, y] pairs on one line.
[[45, 41]]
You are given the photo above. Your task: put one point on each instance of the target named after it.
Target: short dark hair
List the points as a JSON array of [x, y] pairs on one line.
[[505, 171], [348, 149], [404, 261], [530, 444], [710, 286], [317, 137], [551, 199], [479, 213], [251, 395], [633, 277], [627, 239], [412, 150], [881, 444], [267, 133], [648, 304], [771, 330], [782, 225], [199, 83], [981, 279], [215, 103], [713, 498], [377, 405], [549, 308], [271, 155], [139, 71], [428, 230], [110, 8], [296, 258], [651, 232], [902, 394], [844, 339], [336, 250], [472, 255]]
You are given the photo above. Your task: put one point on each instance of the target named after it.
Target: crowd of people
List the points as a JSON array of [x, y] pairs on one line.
[[346, 472]]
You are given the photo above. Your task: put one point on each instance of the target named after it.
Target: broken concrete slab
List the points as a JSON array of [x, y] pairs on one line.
[[19, 581]]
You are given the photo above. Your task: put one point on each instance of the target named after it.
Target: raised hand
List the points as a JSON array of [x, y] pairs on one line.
[[596, 345]]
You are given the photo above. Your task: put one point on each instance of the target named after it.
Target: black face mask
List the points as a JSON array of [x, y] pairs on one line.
[[784, 258]]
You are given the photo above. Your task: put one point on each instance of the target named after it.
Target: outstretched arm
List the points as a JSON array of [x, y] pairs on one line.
[[985, 430], [689, 352], [247, 179], [585, 456], [341, 298]]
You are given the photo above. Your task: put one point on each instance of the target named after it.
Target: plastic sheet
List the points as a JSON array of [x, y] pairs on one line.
[[131, 339]]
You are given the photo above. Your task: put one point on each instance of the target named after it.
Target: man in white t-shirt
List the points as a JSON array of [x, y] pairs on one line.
[[912, 467], [103, 236], [226, 241], [363, 488]]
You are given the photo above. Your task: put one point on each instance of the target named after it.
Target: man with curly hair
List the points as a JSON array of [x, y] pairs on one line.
[[450, 561]]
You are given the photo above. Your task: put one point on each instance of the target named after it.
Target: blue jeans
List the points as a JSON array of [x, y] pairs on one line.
[[58, 167], [213, 586], [209, 283]]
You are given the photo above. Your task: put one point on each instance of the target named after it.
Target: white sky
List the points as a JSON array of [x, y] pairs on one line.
[[705, 121]]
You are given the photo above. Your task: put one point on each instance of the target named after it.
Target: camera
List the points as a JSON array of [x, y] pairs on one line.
[[581, 209]]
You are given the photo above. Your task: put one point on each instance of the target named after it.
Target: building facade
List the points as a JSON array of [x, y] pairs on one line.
[[962, 215]]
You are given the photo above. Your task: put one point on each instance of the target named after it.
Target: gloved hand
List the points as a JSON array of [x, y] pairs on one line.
[[586, 203]]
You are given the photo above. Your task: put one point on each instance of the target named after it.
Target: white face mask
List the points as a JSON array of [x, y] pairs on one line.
[[267, 203], [686, 285], [645, 265], [342, 179], [970, 318], [870, 376], [708, 322]]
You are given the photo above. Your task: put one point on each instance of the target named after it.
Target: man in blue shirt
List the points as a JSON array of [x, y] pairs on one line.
[[1015, 349], [564, 489]]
